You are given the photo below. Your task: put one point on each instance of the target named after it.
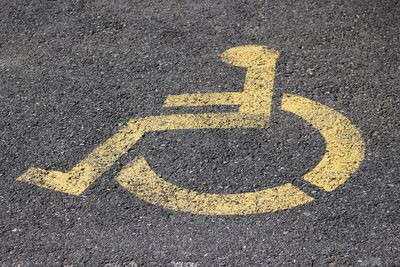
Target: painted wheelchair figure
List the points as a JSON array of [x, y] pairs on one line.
[[344, 146]]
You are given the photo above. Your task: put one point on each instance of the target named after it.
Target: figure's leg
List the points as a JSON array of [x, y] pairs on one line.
[[84, 173]]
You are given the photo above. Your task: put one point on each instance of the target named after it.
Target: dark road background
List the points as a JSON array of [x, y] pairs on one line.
[[73, 72]]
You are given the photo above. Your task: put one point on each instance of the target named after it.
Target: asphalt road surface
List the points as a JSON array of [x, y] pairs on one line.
[[74, 72]]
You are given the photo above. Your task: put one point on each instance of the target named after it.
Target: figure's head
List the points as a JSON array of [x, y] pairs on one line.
[[248, 56]]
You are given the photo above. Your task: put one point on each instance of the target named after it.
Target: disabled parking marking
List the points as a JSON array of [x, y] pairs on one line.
[[344, 146]]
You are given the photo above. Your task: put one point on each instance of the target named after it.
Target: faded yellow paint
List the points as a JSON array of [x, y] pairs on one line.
[[345, 147], [143, 182]]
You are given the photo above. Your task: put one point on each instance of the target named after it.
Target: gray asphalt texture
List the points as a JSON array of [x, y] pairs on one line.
[[73, 72]]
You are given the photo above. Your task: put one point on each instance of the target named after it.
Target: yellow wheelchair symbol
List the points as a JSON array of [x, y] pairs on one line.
[[344, 146]]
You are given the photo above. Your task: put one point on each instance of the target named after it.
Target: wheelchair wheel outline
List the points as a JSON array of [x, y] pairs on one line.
[[344, 153]]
